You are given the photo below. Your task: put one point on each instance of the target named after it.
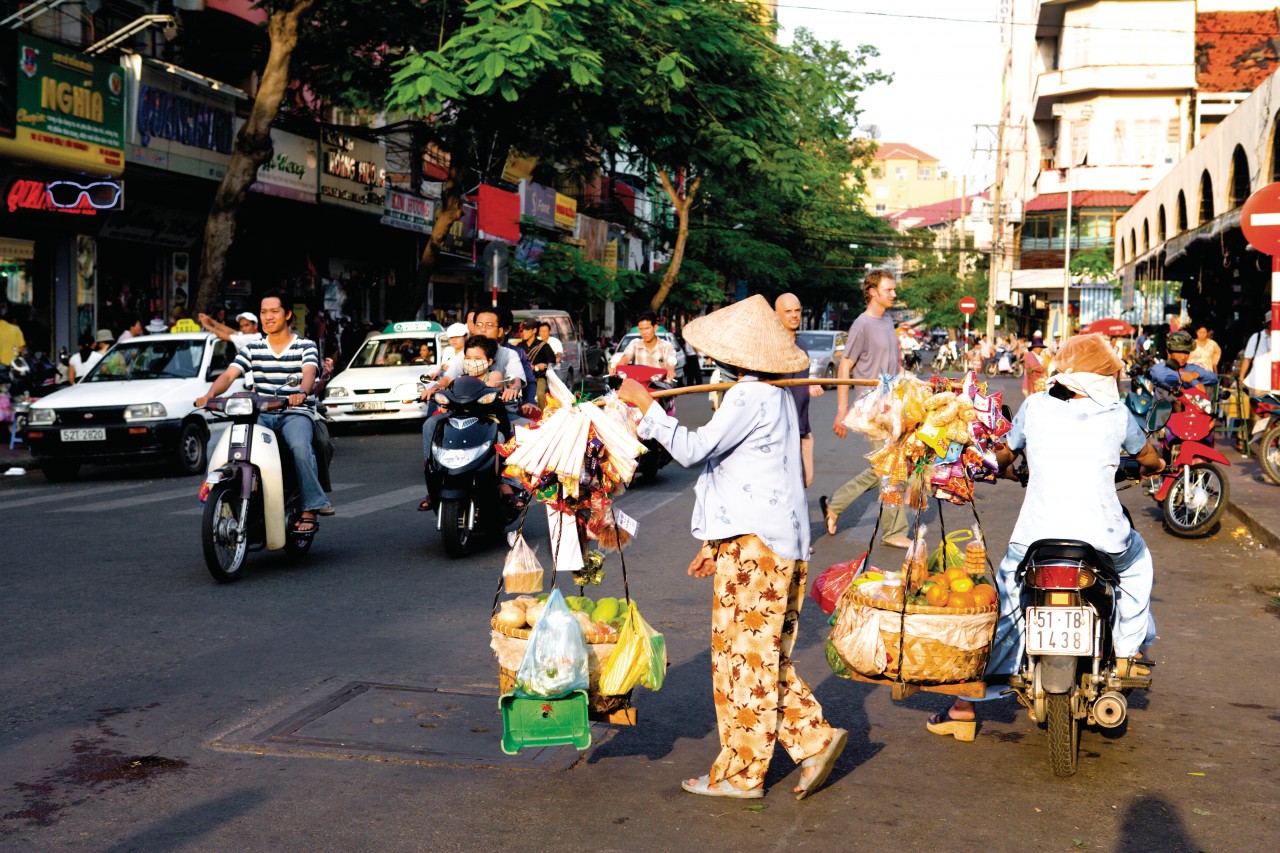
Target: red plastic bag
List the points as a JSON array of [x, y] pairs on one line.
[[832, 583]]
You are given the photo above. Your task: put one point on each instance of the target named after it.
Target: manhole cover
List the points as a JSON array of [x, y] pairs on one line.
[[397, 722]]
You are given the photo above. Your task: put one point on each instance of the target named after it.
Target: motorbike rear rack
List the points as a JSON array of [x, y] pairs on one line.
[[903, 690]]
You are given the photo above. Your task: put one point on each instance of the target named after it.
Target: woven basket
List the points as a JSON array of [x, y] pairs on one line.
[[598, 702], [923, 660]]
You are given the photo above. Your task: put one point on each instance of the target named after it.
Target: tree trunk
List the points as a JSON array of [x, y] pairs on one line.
[[253, 148], [452, 206], [681, 205]]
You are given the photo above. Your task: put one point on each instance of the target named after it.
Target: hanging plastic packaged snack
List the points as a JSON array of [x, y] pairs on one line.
[[521, 572], [555, 661], [975, 553], [915, 568], [948, 553], [639, 658]]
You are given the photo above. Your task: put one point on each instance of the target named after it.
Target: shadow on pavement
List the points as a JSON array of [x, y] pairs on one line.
[[183, 827], [1153, 823]]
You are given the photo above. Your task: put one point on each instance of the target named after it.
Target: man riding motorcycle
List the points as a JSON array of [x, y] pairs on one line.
[[1176, 372], [1072, 434], [271, 361]]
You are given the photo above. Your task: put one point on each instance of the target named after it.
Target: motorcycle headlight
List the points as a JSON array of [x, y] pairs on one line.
[[238, 406], [337, 391], [459, 457], [145, 412], [42, 417], [488, 398]]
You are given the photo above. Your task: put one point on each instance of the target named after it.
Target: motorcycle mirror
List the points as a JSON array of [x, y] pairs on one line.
[[424, 378], [294, 380], [1159, 415]]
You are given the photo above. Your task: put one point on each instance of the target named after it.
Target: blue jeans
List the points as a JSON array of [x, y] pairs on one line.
[[1133, 625], [296, 430]]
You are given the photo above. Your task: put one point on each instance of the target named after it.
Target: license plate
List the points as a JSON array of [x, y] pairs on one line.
[[1060, 631], [370, 406], [84, 434]]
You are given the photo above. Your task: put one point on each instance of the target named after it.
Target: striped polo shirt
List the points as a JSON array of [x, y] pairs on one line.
[[271, 371]]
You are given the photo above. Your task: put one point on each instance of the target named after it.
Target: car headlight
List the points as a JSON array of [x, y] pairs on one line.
[[407, 391], [238, 406], [42, 417], [145, 412], [459, 457], [336, 391]]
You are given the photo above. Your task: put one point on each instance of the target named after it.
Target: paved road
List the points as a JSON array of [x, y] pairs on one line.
[[146, 708]]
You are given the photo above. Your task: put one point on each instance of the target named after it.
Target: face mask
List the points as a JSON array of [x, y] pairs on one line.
[[475, 366]]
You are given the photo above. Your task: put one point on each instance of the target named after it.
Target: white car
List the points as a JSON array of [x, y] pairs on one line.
[[661, 333], [138, 402], [381, 380]]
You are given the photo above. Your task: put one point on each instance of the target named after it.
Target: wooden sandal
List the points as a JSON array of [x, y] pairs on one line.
[[962, 730]]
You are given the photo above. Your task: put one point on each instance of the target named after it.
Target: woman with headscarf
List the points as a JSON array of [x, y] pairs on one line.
[[750, 511], [1073, 434]]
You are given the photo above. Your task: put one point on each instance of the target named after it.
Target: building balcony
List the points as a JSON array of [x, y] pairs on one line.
[[1053, 86]]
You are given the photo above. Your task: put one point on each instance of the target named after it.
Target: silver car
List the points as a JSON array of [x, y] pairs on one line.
[[825, 349]]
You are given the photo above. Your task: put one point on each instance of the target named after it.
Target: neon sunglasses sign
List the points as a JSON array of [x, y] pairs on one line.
[[64, 196]]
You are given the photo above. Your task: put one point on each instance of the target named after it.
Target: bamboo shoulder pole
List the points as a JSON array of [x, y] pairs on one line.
[[781, 383]]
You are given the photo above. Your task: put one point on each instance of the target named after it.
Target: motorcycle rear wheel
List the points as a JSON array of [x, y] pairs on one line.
[[224, 542], [1269, 454], [1064, 734], [1018, 369], [458, 540], [1185, 522], [990, 369]]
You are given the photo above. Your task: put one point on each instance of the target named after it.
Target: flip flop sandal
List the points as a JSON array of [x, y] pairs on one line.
[[828, 520], [425, 506], [723, 788], [942, 724], [824, 761], [312, 525]]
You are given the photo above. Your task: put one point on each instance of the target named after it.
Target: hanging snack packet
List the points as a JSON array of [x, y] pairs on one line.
[[521, 572], [555, 661], [915, 568], [975, 553]]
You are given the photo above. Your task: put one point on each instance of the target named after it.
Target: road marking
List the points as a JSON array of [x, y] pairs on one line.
[[137, 500], [639, 504], [74, 494], [377, 503], [199, 507]]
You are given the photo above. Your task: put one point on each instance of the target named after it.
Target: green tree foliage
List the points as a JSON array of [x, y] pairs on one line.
[[936, 285], [1095, 265]]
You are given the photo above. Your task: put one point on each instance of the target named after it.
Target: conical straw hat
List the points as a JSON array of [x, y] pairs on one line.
[[749, 335]]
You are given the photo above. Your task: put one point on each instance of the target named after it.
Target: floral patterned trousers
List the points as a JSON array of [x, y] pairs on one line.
[[759, 698]]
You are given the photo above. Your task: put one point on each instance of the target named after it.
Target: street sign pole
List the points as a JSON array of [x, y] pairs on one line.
[[1260, 222], [967, 306]]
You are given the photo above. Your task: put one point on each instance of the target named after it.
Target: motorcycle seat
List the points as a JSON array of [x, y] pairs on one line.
[[1073, 550]]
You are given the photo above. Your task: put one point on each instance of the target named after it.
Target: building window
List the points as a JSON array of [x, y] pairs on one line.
[[877, 172], [1182, 211], [1160, 226], [1119, 147], [882, 192], [900, 173], [1148, 140], [924, 173], [1206, 197], [1239, 178], [882, 208]]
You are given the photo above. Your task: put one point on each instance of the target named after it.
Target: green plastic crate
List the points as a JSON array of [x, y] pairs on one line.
[[544, 722]]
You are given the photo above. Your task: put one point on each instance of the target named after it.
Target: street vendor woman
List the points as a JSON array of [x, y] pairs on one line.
[[1073, 433], [751, 514]]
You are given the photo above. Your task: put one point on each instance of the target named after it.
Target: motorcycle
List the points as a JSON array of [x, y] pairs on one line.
[[1004, 362], [944, 360], [1067, 597], [1193, 491], [655, 456], [464, 486], [250, 494], [1266, 409]]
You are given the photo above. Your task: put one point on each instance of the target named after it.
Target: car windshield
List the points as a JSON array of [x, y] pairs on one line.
[[628, 338], [395, 352], [816, 341], [149, 358]]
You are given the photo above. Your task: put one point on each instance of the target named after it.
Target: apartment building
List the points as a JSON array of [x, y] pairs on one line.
[[902, 177]]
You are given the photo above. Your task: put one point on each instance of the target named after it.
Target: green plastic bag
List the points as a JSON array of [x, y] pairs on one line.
[[639, 658], [949, 553]]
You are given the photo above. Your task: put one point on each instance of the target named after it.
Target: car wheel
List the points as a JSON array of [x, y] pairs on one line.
[[191, 455], [57, 471]]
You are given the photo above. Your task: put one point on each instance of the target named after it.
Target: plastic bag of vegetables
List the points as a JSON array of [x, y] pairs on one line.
[[640, 657], [555, 663]]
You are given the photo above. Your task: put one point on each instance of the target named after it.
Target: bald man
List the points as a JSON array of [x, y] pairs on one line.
[[789, 312]]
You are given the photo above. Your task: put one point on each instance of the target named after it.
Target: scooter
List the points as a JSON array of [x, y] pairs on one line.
[[1067, 593], [655, 457], [1004, 362], [1193, 491], [1266, 410], [251, 496], [464, 486]]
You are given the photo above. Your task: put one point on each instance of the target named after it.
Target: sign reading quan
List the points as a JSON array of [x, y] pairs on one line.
[[353, 172], [175, 125], [67, 109]]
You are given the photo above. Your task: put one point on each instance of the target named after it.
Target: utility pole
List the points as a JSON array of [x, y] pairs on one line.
[[997, 215]]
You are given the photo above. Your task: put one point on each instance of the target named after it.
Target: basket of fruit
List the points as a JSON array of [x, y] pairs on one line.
[[939, 634], [600, 620]]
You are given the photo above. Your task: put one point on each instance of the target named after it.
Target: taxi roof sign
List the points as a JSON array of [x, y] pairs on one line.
[[412, 326]]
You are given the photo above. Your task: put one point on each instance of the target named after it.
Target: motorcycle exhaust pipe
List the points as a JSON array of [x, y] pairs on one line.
[[1110, 710]]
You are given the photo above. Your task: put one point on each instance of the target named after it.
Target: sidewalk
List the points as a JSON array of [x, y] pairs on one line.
[[1255, 500], [18, 457]]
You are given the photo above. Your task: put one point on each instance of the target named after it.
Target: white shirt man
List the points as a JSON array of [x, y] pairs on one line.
[[1255, 365]]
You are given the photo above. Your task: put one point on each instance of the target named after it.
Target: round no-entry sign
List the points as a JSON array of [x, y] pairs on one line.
[[1260, 219], [968, 304]]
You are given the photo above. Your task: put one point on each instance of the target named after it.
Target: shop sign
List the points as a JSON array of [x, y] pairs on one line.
[[155, 226], [69, 108], [566, 212], [17, 250], [75, 194], [176, 126], [353, 172], [408, 211], [499, 214], [293, 171], [538, 203], [461, 239]]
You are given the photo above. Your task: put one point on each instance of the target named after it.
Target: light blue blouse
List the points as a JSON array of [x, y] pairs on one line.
[[751, 480]]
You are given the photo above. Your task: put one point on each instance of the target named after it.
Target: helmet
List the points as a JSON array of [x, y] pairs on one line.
[[19, 366], [1179, 342]]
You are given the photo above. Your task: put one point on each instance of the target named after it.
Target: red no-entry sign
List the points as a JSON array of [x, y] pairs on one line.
[[968, 305], [1260, 222]]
